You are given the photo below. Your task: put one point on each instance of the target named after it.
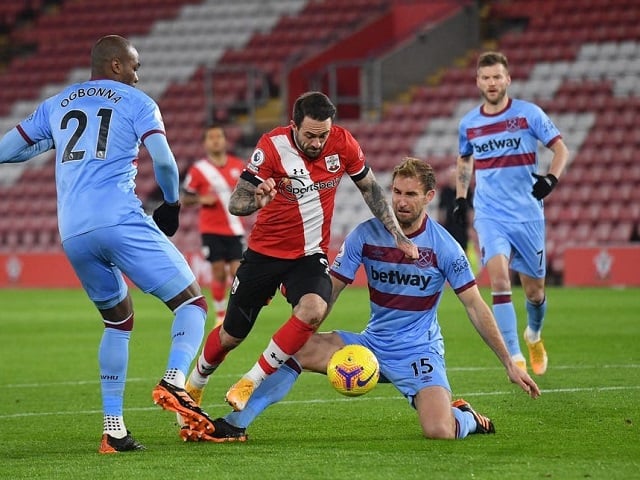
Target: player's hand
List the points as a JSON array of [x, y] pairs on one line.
[[208, 199], [460, 210], [167, 218], [408, 247], [522, 378], [265, 192], [543, 186]]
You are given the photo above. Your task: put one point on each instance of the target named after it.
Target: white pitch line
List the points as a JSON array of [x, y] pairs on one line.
[[334, 400], [228, 375]]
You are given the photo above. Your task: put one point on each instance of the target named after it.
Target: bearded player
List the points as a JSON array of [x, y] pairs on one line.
[[291, 180]]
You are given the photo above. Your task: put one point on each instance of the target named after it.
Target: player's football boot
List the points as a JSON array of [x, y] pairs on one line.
[[178, 400], [537, 356], [195, 393], [239, 394], [224, 432], [111, 444], [483, 424]]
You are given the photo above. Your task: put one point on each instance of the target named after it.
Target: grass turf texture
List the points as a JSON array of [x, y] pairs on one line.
[[585, 425]]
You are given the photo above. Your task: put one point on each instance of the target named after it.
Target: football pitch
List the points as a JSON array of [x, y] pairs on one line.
[[585, 424]]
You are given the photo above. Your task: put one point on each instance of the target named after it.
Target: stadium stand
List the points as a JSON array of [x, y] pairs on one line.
[[170, 40], [582, 67]]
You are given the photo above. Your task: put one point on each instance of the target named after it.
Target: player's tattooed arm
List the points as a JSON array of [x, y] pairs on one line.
[[243, 200], [374, 197], [247, 198], [464, 170]]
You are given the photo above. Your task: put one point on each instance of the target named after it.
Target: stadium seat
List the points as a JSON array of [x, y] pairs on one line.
[[580, 58]]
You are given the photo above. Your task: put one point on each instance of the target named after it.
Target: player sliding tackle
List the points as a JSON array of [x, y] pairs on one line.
[[291, 180], [403, 331]]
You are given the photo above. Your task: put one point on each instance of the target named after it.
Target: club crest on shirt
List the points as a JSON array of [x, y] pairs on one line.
[[257, 158], [332, 162], [426, 258], [513, 125]]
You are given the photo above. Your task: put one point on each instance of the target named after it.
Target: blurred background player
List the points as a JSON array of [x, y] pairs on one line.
[[403, 330], [500, 140], [460, 229], [292, 179], [446, 203], [209, 183], [97, 127]]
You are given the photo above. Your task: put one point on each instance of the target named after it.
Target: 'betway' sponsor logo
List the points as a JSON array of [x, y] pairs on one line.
[[395, 277], [513, 143]]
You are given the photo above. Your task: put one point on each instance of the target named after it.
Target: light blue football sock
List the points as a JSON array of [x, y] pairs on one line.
[[187, 333], [273, 389], [466, 422], [113, 358], [505, 315], [535, 315]]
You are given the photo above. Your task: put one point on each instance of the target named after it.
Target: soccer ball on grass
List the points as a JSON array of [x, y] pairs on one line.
[[353, 370]]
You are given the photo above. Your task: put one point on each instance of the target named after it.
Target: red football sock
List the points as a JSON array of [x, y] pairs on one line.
[[218, 290], [288, 339], [293, 335], [213, 352]]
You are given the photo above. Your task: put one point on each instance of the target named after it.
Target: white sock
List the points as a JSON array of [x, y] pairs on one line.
[[174, 377], [199, 376], [518, 357], [256, 375], [114, 426], [531, 336]]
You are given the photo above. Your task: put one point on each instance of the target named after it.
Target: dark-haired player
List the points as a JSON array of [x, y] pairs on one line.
[[97, 127], [208, 184], [291, 179]]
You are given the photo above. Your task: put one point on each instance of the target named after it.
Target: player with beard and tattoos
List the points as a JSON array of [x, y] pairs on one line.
[[291, 180]]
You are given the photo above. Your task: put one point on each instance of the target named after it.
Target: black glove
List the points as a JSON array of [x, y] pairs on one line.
[[460, 210], [543, 186], [167, 218]]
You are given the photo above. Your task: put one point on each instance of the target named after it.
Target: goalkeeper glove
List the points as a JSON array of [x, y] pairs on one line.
[[543, 186], [166, 217], [460, 210]]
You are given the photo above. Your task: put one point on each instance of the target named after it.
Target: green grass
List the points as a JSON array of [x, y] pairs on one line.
[[585, 424]]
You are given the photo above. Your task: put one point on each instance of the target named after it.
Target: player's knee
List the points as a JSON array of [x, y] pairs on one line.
[[534, 293], [311, 309], [500, 284], [439, 430]]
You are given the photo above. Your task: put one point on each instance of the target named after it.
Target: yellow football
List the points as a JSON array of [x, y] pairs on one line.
[[353, 370]]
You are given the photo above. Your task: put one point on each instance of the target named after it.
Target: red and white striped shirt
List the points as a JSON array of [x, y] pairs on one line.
[[297, 221], [205, 178]]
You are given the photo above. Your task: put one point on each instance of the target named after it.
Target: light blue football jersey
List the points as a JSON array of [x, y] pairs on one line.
[[404, 294], [97, 127], [505, 149]]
